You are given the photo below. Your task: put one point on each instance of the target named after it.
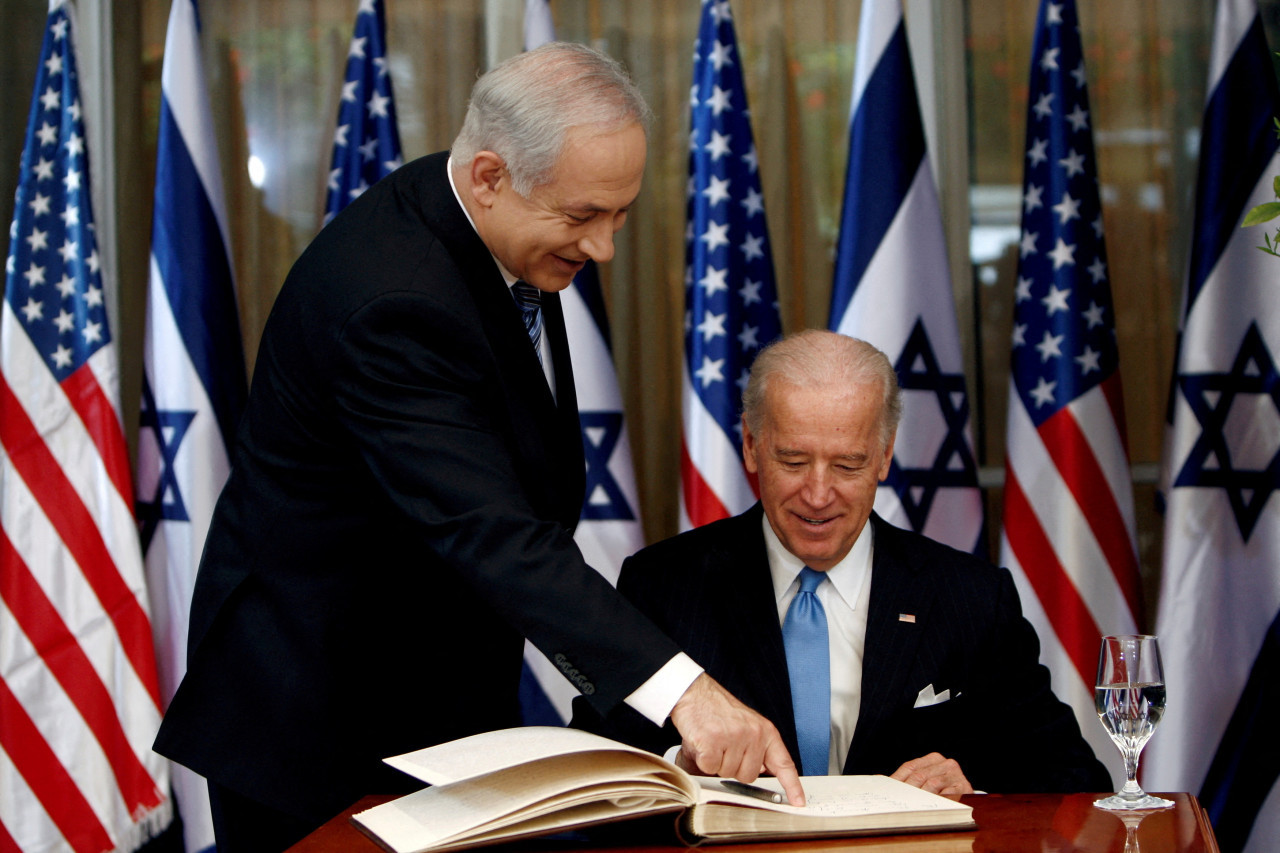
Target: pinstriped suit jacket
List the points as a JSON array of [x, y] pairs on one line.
[[710, 591]]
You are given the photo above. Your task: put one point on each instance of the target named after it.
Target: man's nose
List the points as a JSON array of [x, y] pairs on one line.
[[597, 242]]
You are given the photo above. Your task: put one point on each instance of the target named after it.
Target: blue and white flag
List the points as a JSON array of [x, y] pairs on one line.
[[1068, 534], [892, 288], [731, 302], [609, 529], [194, 386], [366, 144], [1219, 615]]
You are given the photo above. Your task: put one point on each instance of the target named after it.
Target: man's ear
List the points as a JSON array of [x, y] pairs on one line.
[[888, 457], [487, 173], [749, 449]]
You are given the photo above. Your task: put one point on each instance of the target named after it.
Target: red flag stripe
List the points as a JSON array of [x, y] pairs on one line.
[[81, 535], [65, 658], [48, 779], [700, 502], [1069, 449], [1072, 622], [7, 842], [99, 416]]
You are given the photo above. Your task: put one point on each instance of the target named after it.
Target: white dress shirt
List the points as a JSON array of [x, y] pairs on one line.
[[845, 598]]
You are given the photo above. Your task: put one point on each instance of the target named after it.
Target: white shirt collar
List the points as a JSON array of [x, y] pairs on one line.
[[847, 577]]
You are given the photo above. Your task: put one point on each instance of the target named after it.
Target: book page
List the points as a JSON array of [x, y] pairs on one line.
[[487, 752], [836, 796]]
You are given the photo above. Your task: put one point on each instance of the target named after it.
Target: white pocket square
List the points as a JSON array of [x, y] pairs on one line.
[[927, 697]]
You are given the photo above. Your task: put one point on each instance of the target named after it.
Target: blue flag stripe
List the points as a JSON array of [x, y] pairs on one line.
[[588, 283], [1238, 142], [880, 172], [189, 251], [1244, 769]]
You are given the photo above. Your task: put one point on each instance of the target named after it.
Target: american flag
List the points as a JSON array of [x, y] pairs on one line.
[[892, 288], [1068, 500], [194, 383], [731, 308], [1219, 613], [366, 144], [79, 699]]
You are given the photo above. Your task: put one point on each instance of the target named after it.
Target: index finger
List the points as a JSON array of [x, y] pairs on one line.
[[778, 762]]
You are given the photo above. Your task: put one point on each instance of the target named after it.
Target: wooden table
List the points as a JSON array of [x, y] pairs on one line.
[[1007, 823]]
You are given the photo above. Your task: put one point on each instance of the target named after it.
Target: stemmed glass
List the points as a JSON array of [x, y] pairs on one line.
[[1129, 698]]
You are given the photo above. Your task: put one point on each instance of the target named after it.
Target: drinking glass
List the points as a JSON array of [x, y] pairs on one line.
[[1129, 699]]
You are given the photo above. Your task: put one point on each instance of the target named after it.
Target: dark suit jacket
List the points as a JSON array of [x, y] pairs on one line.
[[710, 590], [399, 513]]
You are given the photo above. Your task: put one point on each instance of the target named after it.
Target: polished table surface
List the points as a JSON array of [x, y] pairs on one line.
[[1044, 823]]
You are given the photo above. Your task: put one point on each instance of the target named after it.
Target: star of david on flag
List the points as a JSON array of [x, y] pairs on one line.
[[366, 144], [892, 288], [1069, 531], [79, 697], [731, 308], [1219, 613]]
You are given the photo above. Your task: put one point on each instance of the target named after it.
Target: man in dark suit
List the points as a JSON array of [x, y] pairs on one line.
[[930, 669], [409, 472]]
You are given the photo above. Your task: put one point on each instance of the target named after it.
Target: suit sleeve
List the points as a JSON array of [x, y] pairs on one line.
[[1026, 739], [419, 392]]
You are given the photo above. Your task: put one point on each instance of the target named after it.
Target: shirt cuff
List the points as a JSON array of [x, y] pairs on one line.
[[656, 697]]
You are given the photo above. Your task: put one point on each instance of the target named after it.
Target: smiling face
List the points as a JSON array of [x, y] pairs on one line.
[[819, 456], [548, 236]]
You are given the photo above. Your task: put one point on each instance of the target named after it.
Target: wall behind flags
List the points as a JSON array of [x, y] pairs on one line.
[[275, 66]]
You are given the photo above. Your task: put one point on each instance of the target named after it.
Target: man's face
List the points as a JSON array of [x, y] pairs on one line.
[[819, 458], [546, 238]]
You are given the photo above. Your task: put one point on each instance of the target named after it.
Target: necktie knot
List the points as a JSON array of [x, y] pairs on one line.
[[810, 579]]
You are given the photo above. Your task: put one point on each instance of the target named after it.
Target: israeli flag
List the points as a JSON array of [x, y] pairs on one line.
[[892, 288], [194, 386]]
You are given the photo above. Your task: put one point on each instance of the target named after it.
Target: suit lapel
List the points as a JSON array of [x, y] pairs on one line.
[[547, 436], [891, 643]]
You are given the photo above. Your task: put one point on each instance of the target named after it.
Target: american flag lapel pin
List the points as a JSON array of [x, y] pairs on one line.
[[907, 617]]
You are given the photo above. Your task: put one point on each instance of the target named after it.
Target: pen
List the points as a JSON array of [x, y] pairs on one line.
[[736, 787]]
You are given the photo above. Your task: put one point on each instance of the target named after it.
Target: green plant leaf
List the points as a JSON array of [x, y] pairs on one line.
[[1261, 213], [1275, 185]]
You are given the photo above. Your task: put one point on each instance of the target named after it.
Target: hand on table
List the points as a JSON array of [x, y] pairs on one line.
[[934, 773]]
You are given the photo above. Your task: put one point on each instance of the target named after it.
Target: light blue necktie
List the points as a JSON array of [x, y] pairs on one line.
[[804, 635], [529, 298]]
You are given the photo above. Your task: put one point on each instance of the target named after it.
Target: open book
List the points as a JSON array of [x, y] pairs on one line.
[[516, 783]]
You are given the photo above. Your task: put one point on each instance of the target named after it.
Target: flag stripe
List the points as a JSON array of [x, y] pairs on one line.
[[86, 396], [48, 779], [1072, 621], [76, 526], [1073, 455], [1239, 121], [187, 245], [878, 175], [701, 505], [67, 661]]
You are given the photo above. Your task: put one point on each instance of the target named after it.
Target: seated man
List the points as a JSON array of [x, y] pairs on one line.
[[914, 661]]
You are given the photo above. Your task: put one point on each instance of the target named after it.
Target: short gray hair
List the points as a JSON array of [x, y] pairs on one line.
[[816, 358], [522, 109]]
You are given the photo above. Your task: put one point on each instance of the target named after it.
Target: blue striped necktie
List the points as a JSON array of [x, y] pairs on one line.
[[529, 298], [804, 635]]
